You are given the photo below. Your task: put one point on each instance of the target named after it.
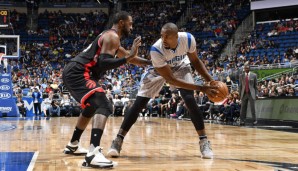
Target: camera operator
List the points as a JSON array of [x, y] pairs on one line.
[[55, 108]]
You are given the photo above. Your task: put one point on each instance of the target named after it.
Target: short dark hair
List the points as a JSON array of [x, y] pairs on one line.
[[170, 27], [121, 15]]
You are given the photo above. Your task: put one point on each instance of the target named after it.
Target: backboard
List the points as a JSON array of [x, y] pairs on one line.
[[10, 45]]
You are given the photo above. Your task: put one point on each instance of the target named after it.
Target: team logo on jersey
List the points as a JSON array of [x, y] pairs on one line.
[[176, 59], [90, 84]]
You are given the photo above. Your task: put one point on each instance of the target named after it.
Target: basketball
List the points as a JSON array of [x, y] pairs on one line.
[[223, 91]]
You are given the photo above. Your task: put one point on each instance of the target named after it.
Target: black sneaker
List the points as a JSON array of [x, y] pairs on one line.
[[115, 149]]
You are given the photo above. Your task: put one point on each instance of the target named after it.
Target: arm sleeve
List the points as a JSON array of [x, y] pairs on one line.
[[158, 60], [106, 62]]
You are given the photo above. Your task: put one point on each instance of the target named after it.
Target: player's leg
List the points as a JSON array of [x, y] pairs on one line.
[[151, 84], [196, 115], [70, 78], [74, 147], [197, 119], [103, 108], [129, 119]]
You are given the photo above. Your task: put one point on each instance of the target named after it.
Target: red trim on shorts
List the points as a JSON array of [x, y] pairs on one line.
[[86, 96], [87, 69]]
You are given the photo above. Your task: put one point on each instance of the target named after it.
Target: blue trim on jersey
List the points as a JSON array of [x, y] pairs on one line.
[[189, 40], [155, 49]]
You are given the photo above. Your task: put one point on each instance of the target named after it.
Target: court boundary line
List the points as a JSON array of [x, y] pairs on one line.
[[33, 160]]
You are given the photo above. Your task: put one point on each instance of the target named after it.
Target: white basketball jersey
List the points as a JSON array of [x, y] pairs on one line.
[[161, 56]]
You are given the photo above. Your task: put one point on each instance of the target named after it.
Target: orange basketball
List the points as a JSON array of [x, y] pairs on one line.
[[223, 91]]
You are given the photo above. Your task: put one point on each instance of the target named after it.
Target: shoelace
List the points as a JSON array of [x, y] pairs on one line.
[[206, 145], [100, 149]]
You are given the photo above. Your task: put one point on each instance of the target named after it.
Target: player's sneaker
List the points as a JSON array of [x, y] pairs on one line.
[[75, 149], [206, 149], [115, 149], [96, 159]]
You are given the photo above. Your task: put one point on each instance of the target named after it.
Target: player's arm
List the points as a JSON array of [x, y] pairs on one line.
[[199, 66], [136, 61], [160, 64], [194, 59], [109, 45], [168, 75]]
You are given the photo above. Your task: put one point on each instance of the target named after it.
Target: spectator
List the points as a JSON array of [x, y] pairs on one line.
[[66, 105], [20, 104], [54, 109], [291, 92], [48, 103], [37, 101]]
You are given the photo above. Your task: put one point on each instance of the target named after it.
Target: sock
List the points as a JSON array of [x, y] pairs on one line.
[[203, 137], [76, 135], [96, 136], [120, 136]]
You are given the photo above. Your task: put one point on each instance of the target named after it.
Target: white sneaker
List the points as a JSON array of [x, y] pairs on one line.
[[75, 149], [96, 159], [206, 149]]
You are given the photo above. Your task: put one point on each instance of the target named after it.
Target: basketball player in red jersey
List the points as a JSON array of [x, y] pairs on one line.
[[81, 77]]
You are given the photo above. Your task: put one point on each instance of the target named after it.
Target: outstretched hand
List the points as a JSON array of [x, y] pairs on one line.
[[135, 46]]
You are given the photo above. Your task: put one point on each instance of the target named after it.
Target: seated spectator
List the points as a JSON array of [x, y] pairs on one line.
[[125, 101], [20, 104], [47, 104], [163, 105], [55, 86], [48, 88], [153, 106], [202, 100], [118, 106], [54, 109], [65, 105], [291, 92], [280, 92], [180, 109], [172, 104]]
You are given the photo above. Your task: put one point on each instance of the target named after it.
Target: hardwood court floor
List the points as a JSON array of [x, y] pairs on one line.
[[154, 144]]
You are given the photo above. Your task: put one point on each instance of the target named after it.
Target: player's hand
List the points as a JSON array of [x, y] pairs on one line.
[[211, 91], [134, 49]]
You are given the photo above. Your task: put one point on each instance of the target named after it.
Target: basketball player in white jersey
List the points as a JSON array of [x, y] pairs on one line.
[[171, 56]]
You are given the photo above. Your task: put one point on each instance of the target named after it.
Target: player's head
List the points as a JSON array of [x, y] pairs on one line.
[[124, 21], [169, 35]]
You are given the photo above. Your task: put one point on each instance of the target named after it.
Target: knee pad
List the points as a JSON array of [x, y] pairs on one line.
[[89, 111]]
